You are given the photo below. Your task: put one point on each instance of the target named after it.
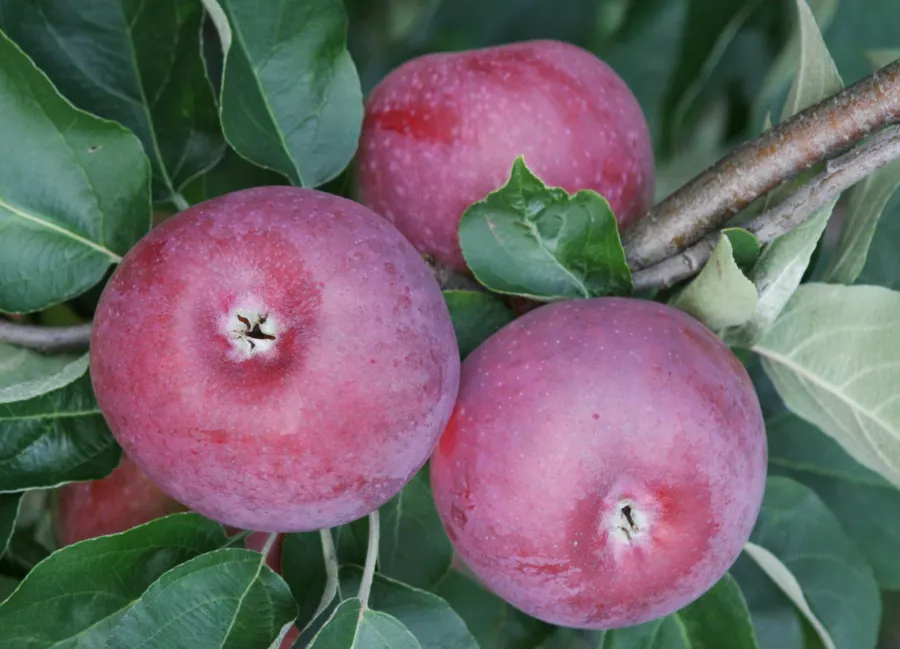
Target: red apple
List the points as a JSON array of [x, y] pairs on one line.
[[442, 131], [124, 499], [277, 359], [605, 462]]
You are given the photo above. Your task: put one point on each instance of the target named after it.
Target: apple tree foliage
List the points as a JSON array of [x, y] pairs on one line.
[[115, 112]]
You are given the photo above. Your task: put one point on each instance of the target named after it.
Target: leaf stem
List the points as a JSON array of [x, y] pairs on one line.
[[839, 174], [753, 169], [267, 547], [180, 202], [365, 585], [237, 538], [329, 554], [45, 339]]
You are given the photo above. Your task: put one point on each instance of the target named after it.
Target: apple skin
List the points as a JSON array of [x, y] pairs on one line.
[[442, 131], [575, 412], [277, 359], [124, 499]]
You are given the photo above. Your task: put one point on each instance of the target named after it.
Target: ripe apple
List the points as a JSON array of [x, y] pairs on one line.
[[277, 359], [605, 462], [442, 131], [124, 499]]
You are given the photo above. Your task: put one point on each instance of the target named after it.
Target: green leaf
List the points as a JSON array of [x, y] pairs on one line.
[[306, 570], [720, 296], [817, 75], [540, 242], [783, 262], [717, 619], [72, 201], [25, 374], [352, 627], [866, 504], [9, 512], [781, 71], [136, 63], [291, 99], [833, 358], [55, 438], [429, 618], [857, 29], [777, 275], [711, 27], [7, 586], [648, 70], [232, 174], [776, 621], [85, 588], [745, 246], [494, 623], [882, 266], [414, 548], [867, 202], [351, 541], [226, 598], [475, 316], [803, 549]]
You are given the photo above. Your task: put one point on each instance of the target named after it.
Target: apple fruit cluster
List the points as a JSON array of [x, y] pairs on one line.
[[282, 360]]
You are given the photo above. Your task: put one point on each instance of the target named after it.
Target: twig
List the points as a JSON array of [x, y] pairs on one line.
[[45, 339], [839, 174], [817, 133]]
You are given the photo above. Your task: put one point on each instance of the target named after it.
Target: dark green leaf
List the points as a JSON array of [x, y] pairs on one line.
[[85, 588], [471, 23], [74, 190], [291, 99], [351, 541], [711, 26], [648, 70], [565, 638], [744, 245], [475, 317], [226, 598], [867, 505], [350, 627], [429, 618], [860, 26], [414, 548], [539, 242], [133, 62], [718, 619], [494, 623], [775, 618], [24, 551], [25, 374], [233, 173], [801, 545], [9, 512], [304, 569], [882, 266], [7, 586], [55, 438]]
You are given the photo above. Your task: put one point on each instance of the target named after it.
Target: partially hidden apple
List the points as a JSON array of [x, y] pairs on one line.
[[125, 499], [605, 462], [442, 131], [277, 359]]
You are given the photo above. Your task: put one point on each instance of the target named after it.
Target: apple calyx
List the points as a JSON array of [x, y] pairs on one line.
[[252, 332]]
